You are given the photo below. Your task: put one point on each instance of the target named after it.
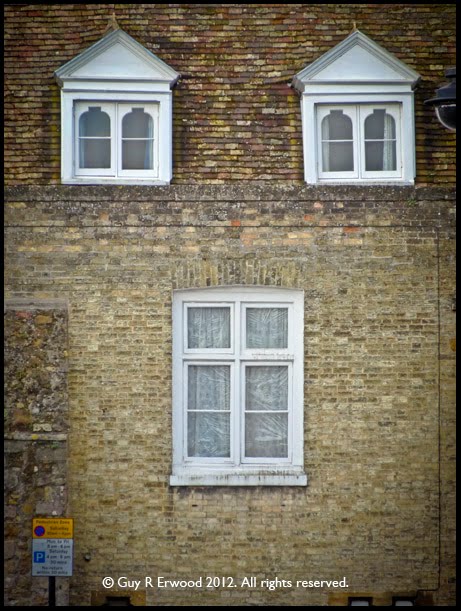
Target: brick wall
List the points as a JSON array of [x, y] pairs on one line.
[[376, 267], [235, 115]]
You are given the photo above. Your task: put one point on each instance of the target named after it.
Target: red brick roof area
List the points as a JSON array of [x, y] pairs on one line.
[[235, 115]]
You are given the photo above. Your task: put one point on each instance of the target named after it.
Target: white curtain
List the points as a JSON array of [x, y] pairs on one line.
[[208, 404], [265, 387], [267, 328], [389, 143], [326, 144], [208, 328], [266, 405]]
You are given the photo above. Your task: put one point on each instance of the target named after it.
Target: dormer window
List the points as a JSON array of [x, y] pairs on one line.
[[358, 115], [359, 141], [116, 139], [116, 115]]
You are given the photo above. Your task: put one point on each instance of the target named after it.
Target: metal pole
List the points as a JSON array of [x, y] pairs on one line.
[[52, 592]]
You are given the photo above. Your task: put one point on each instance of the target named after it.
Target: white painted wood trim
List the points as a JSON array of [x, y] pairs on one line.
[[286, 471]]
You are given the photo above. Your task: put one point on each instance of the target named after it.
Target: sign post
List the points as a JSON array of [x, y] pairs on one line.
[[52, 547]]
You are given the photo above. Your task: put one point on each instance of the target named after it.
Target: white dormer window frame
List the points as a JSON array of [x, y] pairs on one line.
[[130, 88], [373, 92]]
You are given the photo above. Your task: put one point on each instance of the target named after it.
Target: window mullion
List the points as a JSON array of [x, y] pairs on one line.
[[117, 141], [358, 142], [236, 413]]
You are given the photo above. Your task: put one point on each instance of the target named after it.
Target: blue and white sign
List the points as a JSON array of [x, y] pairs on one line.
[[39, 557], [52, 557]]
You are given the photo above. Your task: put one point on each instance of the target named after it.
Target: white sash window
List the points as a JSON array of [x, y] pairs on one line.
[[237, 379]]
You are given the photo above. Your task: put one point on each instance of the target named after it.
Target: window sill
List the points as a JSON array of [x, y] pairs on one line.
[[239, 477], [112, 181], [364, 183]]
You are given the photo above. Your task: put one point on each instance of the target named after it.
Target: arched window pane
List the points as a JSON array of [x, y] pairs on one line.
[[337, 126], [94, 139], [94, 123], [137, 124], [137, 140], [380, 142], [379, 126], [337, 144]]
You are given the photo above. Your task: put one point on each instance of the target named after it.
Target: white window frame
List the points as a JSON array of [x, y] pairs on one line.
[[402, 111], [238, 470], [358, 113], [267, 461], [116, 112], [359, 72], [204, 304], [117, 70], [160, 108], [79, 110], [123, 109], [350, 112]]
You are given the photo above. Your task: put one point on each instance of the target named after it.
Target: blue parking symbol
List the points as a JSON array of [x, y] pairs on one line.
[[39, 557]]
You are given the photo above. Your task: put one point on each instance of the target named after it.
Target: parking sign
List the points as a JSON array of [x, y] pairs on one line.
[[52, 547]]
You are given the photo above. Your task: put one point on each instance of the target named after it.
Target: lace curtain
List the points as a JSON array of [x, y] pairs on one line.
[[265, 386], [266, 417], [267, 328], [208, 403], [208, 328]]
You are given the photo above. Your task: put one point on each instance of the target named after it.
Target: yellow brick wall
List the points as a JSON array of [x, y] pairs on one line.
[[376, 268]]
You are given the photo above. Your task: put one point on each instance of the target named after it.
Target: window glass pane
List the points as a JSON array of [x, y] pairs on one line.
[[94, 154], [208, 328], [267, 328], [266, 388], [266, 435], [208, 387], [336, 126], [137, 140], [337, 144], [208, 434], [380, 142], [380, 156], [94, 139], [137, 124], [338, 157], [94, 123], [137, 155], [379, 125]]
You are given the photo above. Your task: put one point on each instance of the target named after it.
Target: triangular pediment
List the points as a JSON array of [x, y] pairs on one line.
[[356, 59], [117, 56]]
